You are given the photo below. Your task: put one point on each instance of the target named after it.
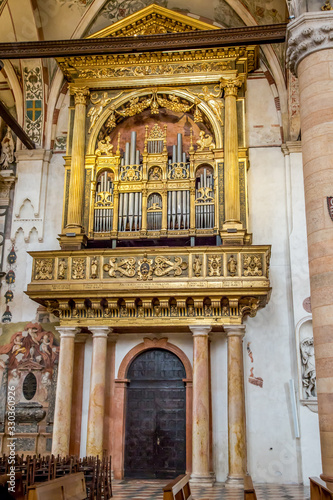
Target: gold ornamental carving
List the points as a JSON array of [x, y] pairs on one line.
[[81, 95], [78, 268], [197, 264], [44, 269], [213, 100], [94, 266], [205, 141], [104, 147], [99, 103], [164, 266], [327, 6], [252, 264], [232, 266], [145, 269], [62, 269], [231, 86], [125, 267], [214, 265]]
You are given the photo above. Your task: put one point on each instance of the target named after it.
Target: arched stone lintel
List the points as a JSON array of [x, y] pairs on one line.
[[154, 344]]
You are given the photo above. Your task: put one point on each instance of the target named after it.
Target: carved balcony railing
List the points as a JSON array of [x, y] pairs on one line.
[[140, 286]]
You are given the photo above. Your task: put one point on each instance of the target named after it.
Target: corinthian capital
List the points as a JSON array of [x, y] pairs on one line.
[[80, 94], [231, 86], [307, 34]]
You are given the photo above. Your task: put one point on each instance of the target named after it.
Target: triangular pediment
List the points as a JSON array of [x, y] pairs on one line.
[[152, 20], [29, 365]]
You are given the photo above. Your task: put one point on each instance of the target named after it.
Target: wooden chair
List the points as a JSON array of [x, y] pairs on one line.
[[319, 489], [19, 488], [249, 491], [69, 487], [178, 489]]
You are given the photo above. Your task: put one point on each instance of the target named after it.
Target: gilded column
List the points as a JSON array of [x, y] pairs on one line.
[[231, 169], [115, 209], [310, 54], [200, 433], [236, 405], [144, 210], [76, 185], [97, 391], [63, 404]]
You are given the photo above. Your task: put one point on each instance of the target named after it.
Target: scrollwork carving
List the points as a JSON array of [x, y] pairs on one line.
[[125, 267], [252, 265], [214, 265], [163, 266], [78, 268]]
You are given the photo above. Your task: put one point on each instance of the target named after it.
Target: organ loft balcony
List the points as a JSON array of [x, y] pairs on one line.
[[155, 213]]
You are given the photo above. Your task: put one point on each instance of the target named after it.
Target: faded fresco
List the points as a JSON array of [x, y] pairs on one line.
[[29, 354]]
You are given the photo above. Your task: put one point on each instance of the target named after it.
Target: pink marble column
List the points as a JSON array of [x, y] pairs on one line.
[[200, 434], [236, 405], [63, 404], [97, 391]]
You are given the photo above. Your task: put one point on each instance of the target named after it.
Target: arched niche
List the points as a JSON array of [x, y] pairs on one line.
[[125, 98]]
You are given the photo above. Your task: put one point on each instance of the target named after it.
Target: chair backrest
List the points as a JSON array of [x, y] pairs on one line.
[[319, 489], [64, 488], [178, 489]]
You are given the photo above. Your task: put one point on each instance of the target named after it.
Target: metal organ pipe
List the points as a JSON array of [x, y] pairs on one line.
[[133, 148], [127, 153], [174, 154], [179, 147], [137, 158]]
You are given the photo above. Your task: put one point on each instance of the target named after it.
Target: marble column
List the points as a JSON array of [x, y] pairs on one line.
[[201, 473], [97, 391], [231, 168], [236, 405], [63, 403], [310, 55]]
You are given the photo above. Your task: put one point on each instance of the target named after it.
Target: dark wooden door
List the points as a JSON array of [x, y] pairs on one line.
[[155, 445]]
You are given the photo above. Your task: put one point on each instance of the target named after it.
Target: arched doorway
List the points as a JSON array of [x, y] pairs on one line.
[[155, 437]]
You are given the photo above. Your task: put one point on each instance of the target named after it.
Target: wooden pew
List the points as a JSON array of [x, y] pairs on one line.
[[319, 490], [69, 487], [249, 491], [178, 489], [19, 489]]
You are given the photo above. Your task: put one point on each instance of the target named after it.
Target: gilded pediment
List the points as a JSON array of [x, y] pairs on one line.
[[152, 20]]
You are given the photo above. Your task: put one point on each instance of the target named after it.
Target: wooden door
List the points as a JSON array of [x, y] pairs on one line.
[[155, 445]]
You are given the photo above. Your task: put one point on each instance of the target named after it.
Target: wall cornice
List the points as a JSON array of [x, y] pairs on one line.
[[307, 34]]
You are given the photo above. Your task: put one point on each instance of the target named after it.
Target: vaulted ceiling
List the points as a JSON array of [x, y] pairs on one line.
[[26, 20]]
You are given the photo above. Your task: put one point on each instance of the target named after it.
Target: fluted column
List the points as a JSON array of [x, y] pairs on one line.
[[310, 55], [76, 185], [231, 169], [63, 404], [97, 391], [236, 405], [200, 433]]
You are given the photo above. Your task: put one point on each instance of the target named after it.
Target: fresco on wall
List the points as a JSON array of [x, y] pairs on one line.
[[225, 15], [266, 12], [118, 9], [29, 354]]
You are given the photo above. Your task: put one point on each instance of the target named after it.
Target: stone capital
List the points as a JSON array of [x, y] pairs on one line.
[[33, 155], [310, 32], [200, 331], [234, 330], [80, 94], [68, 332], [100, 331]]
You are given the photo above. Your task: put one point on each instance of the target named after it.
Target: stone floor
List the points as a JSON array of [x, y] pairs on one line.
[[152, 490]]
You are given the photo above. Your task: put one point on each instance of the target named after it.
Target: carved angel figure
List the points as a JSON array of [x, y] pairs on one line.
[[309, 373], [327, 6], [205, 141], [7, 150], [104, 146], [99, 104], [213, 102]]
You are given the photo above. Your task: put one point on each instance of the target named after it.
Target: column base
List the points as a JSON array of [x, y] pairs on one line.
[[75, 242], [234, 482], [234, 236], [202, 480]]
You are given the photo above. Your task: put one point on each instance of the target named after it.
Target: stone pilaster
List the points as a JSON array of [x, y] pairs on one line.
[[73, 237], [236, 405], [63, 404], [97, 391], [310, 56], [201, 442]]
